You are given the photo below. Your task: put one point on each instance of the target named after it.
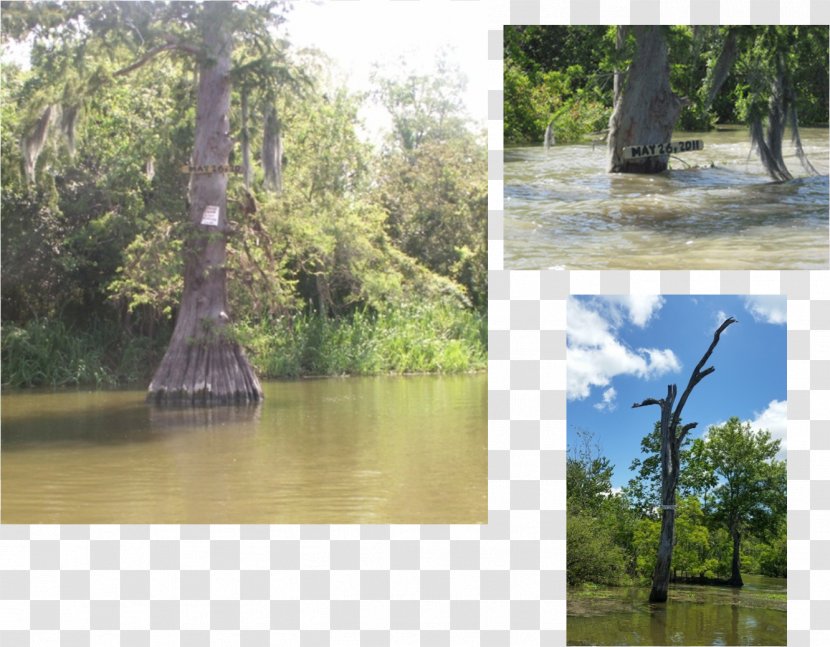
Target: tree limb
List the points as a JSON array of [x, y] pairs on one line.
[[647, 402], [685, 430], [152, 53], [727, 58], [698, 374]]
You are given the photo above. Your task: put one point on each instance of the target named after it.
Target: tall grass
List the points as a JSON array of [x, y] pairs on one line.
[[414, 339], [48, 352]]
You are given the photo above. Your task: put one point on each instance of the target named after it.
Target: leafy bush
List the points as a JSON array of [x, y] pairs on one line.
[[591, 553]]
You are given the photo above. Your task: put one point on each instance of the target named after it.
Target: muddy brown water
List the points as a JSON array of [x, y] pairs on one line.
[[694, 615], [356, 450], [563, 211]]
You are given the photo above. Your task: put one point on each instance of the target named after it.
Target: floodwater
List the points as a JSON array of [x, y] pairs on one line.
[[563, 211], [353, 450], [693, 615]]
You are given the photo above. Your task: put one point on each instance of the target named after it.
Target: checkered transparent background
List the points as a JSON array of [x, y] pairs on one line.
[[499, 584]]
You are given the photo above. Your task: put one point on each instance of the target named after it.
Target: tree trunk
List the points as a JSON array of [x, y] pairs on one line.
[[736, 579], [619, 38], [203, 365], [669, 463], [647, 109], [272, 151], [671, 440], [245, 137]]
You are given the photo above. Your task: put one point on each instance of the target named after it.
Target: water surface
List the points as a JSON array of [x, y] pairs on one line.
[[357, 450], [563, 211], [693, 615]]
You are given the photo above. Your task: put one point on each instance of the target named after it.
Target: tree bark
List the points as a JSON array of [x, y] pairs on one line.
[[647, 109], [736, 579], [272, 151], [203, 364], [669, 463], [245, 137], [671, 441]]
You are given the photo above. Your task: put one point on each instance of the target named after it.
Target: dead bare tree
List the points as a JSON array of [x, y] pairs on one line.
[[671, 439]]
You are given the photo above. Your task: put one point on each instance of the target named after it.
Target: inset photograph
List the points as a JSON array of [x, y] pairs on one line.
[[666, 147], [676, 470], [244, 263]]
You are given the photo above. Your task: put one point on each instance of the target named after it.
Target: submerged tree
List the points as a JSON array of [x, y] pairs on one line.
[[672, 435], [203, 363], [647, 109]]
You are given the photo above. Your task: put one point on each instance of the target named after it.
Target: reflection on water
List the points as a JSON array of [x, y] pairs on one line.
[[562, 210], [360, 450], [693, 615]]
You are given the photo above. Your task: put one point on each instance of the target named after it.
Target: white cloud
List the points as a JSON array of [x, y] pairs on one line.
[[767, 309], [774, 420], [662, 361], [642, 307], [639, 307], [596, 355], [609, 400]]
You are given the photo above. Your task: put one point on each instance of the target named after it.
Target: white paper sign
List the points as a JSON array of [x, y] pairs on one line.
[[211, 215]]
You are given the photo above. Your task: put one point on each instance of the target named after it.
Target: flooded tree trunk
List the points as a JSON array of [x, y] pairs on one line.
[[203, 364], [736, 579], [669, 463], [647, 109], [672, 435]]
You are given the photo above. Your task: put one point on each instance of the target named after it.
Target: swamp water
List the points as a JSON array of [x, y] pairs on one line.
[[694, 615], [563, 211], [356, 450]]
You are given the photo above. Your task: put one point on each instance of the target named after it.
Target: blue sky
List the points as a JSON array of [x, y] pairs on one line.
[[622, 350]]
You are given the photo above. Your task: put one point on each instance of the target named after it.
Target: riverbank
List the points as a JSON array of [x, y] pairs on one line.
[[416, 339]]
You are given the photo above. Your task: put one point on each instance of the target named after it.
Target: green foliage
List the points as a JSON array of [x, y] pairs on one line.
[[412, 339], [600, 524], [588, 475], [644, 490], [563, 74], [731, 476], [357, 235], [49, 353], [750, 486], [590, 553]]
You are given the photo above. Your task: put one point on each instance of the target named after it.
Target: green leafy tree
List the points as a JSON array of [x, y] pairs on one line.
[[644, 489], [593, 528], [432, 177], [751, 489]]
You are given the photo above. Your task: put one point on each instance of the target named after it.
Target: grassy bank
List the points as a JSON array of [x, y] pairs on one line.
[[48, 352], [418, 339]]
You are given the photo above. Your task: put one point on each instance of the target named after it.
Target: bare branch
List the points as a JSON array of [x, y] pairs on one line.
[[726, 59], [152, 53], [685, 430], [698, 374], [647, 402]]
